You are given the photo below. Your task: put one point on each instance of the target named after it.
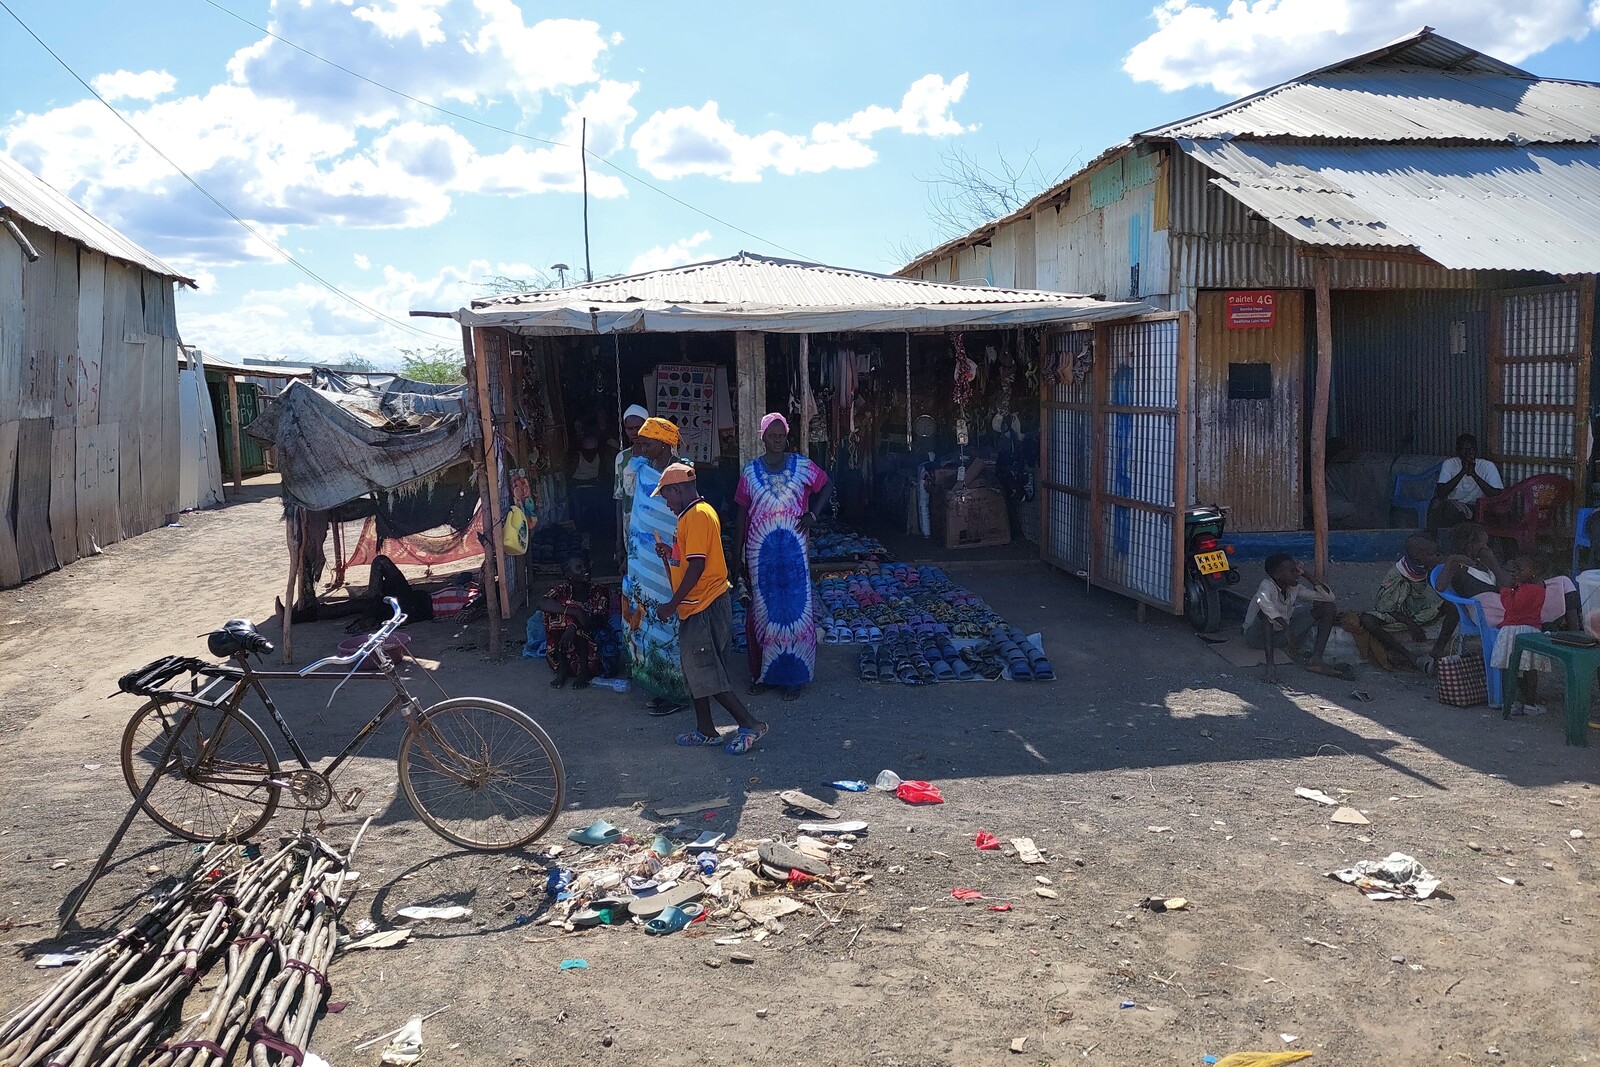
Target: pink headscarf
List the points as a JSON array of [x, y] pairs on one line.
[[770, 418]]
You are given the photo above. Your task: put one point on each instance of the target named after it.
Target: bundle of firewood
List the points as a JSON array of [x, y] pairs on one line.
[[259, 927]]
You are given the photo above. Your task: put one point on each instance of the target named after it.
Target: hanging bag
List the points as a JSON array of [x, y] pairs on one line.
[[1462, 682]]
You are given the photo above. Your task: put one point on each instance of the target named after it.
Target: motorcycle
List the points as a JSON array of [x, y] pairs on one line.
[[1207, 568]]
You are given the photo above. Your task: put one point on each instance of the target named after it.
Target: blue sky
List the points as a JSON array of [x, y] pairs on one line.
[[810, 126]]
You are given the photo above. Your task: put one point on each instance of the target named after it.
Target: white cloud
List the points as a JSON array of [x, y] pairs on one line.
[[1248, 45], [305, 322], [127, 85], [682, 140], [362, 262], [675, 254]]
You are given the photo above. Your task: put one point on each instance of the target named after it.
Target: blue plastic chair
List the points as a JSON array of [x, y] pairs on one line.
[[1414, 492], [1474, 624], [1580, 536]]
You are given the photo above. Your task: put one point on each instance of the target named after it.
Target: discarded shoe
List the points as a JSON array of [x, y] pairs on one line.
[[598, 832]]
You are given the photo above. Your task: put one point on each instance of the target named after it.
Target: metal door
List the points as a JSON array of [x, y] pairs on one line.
[[1540, 345], [1116, 455]]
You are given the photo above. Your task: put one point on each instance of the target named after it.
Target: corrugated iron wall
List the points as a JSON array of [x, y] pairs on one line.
[[1410, 369], [1248, 453]]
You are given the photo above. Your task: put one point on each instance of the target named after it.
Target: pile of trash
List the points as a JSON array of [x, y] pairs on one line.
[[675, 878]]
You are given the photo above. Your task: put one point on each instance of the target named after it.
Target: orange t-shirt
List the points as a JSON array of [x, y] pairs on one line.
[[699, 534]]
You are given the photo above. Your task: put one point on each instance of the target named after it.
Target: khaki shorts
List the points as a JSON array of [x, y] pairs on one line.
[[705, 640]]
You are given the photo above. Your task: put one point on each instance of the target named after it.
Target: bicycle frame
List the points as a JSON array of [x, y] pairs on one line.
[[244, 679]]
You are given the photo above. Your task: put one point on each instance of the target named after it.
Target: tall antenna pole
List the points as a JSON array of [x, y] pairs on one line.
[[583, 153]]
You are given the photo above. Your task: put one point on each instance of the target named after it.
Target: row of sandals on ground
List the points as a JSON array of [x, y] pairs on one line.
[[677, 596], [1295, 613]]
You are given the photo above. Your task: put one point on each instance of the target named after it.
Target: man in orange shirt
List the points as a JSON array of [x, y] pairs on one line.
[[702, 600]]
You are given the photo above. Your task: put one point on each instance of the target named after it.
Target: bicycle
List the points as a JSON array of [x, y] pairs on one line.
[[479, 773]]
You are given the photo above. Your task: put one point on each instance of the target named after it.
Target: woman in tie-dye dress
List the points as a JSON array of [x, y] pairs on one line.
[[780, 495]]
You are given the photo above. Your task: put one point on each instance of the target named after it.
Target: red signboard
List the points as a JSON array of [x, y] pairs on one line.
[[1250, 309]]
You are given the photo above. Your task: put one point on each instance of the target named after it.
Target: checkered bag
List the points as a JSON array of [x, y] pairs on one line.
[[1462, 682]]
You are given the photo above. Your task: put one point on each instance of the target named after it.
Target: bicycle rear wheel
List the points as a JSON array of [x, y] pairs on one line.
[[481, 774], [226, 793]]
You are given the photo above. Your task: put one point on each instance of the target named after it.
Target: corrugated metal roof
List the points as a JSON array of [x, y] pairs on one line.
[[756, 292], [25, 196], [1465, 207], [1389, 104]]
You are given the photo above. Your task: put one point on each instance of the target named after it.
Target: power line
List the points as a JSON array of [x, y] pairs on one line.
[[257, 234], [501, 129]]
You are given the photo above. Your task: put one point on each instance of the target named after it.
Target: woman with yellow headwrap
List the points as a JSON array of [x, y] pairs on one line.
[[654, 663]]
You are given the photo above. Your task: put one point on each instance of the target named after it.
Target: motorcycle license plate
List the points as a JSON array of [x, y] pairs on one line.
[[1211, 562]]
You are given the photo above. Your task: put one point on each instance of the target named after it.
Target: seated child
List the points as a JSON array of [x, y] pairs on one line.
[[1523, 602]]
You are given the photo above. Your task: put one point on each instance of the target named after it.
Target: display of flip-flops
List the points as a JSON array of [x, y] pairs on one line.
[[920, 628]]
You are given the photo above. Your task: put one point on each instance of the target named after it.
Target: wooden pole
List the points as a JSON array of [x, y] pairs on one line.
[[750, 368], [486, 575], [233, 414], [1319, 416], [1581, 425], [491, 487]]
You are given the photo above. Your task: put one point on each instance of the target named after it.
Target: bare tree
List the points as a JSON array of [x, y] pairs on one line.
[[964, 194]]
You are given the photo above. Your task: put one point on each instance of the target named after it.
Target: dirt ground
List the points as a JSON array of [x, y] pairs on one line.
[[1150, 767]]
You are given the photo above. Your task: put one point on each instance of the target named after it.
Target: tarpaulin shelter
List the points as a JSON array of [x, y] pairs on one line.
[[353, 446]]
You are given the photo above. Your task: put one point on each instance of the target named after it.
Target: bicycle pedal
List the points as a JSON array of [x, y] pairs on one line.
[[352, 800]]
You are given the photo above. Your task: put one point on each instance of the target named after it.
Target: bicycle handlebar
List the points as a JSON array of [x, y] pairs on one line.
[[373, 642]]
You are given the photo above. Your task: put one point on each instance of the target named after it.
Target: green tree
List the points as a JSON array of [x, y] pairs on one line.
[[439, 364]]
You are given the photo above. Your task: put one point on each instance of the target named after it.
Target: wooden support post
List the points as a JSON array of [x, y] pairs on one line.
[[750, 367], [494, 556], [233, 415], [1319, 416]]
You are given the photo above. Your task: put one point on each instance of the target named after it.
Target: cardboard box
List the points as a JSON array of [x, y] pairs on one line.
[[972, 518]]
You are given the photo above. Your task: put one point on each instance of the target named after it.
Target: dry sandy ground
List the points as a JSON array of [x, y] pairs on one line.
[[1146, 728]]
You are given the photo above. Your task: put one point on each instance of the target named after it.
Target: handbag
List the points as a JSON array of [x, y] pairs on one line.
[[1462, 682]]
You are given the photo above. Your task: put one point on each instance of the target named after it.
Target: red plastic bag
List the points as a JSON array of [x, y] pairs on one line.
[[961, 892], [919, 793], [986, 841], [998, 907]]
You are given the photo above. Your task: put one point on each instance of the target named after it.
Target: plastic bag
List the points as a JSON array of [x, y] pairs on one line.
[[986, 841], [917, 792]]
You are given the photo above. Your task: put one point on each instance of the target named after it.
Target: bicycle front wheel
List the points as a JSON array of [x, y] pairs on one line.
[[216, 781], [481, 774]]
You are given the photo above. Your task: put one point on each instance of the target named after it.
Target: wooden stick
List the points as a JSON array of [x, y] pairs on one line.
[[1319, 416]]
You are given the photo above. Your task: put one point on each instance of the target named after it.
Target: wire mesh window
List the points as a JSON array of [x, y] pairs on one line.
[[1136, 550], [1141, 365], [1249, 381], [1068, 533], [1073, 356], [1071, 448], [1540, 324]]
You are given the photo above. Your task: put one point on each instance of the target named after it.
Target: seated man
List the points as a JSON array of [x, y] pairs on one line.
[[575, 611], [1464, 479], [1407, 605], [1476, 572], [1288, 606]]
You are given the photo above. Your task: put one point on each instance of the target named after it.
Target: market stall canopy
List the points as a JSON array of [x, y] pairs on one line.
[[751, 292], [347, 436]]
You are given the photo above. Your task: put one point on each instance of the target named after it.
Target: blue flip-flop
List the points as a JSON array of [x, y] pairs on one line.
[[598, 832], [673, 919]]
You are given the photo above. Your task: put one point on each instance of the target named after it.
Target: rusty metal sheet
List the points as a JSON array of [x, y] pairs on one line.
[[64, 493], [1248, 453], [12, 331], [86, 362]]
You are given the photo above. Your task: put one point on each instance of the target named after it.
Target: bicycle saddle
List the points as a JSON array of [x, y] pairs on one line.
[[235, 636]]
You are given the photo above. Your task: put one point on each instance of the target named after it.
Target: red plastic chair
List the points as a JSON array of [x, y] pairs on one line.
[[1526, 510]]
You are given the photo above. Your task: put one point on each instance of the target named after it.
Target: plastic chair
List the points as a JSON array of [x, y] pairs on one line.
[[1475, 624], [1525, 510], [1414, 492], [1581, 538]]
